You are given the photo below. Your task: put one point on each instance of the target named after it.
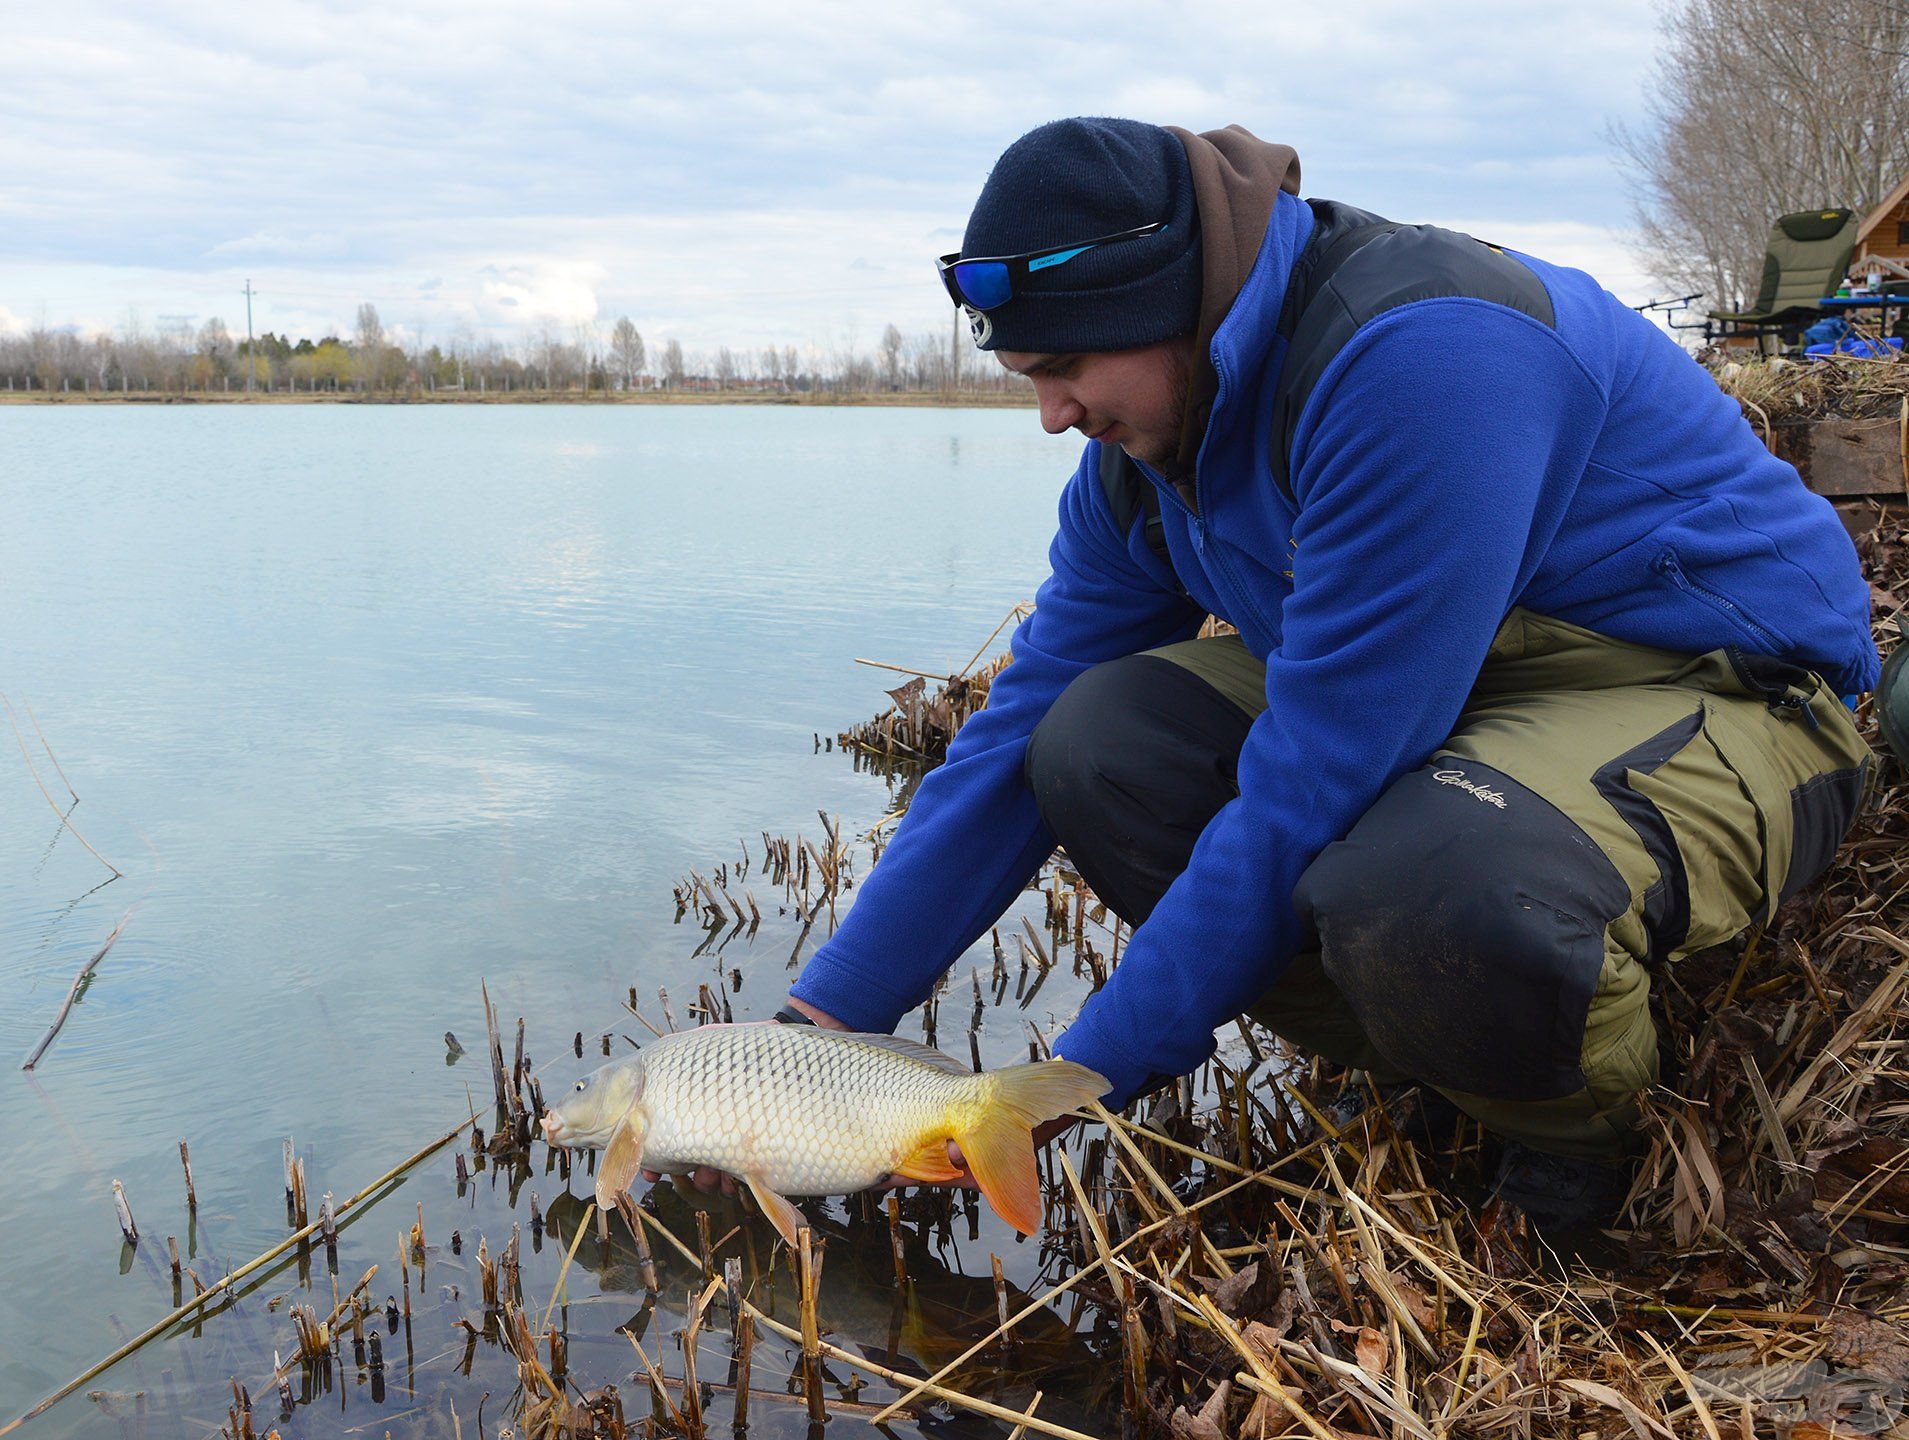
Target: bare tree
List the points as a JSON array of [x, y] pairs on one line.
[[725, 369], [627, 346], [1759, 108], [378, 364], [891, 358], [673, 364]]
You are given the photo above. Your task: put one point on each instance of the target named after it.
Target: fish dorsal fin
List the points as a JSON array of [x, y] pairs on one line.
[[910, 1049]]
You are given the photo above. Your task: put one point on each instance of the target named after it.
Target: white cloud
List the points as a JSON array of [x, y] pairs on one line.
[[1602, 252], [756, 172], [273, 244], [558, 293]]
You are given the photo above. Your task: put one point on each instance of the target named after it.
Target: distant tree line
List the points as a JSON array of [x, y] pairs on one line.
[[176, 357]]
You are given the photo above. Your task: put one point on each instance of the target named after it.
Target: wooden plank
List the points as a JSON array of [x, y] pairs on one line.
[[1846, 457]]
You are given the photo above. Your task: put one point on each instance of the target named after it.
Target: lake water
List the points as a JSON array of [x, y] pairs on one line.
[[369, 703]]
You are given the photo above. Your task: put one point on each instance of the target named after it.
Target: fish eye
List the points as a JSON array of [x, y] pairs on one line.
[[580, 1086]]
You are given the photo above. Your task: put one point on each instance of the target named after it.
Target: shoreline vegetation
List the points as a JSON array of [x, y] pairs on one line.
[[176, 363], [960, 399]]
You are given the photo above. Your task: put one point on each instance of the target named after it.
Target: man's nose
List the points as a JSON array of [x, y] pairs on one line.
[[1059, 410]]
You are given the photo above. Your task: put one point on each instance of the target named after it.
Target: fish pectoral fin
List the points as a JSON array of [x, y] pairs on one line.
[[929, 1164], [622, 1158], [784, 1216]]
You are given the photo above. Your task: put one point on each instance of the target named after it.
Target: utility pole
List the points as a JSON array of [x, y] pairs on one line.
[[251, 350]]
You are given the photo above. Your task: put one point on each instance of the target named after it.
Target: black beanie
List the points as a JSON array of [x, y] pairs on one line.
[[1075, 180]]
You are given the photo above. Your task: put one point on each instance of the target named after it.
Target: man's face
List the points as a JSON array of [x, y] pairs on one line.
[[1131, 398]]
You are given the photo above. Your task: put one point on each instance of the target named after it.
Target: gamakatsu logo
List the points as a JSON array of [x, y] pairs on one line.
[[1471, 787]]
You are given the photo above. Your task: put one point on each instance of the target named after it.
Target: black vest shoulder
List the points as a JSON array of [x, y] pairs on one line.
[[1354, 268]]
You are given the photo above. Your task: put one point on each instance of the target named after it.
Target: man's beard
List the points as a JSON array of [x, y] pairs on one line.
[[1162, 451]]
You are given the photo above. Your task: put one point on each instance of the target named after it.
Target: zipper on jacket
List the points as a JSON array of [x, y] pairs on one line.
[[1216, 567], [1213, 566], [1667, 564]]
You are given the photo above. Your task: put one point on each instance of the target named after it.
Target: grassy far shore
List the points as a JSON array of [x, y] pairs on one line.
[[965, 399]]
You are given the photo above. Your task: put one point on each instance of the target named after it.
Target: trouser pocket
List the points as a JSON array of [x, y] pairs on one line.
[[1793, 750], [1463, 919]]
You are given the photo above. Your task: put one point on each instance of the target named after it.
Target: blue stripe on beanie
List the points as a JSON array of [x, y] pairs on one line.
[[1073, 180]]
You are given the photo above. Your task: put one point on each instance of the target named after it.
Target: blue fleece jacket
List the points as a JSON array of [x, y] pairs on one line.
[[1457, 459]]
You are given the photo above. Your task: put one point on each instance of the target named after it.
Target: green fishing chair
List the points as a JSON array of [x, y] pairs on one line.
[[1807, 258]]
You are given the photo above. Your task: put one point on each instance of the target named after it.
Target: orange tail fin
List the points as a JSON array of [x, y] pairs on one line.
[[998, 1143]]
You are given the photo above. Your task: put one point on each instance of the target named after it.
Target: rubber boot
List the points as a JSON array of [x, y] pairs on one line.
[[1892, 697], [1561, 1192]]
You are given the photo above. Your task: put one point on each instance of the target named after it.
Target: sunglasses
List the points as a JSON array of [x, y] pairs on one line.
[[988, 282]]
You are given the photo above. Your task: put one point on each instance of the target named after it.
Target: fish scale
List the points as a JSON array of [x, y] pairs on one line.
[[798, 1110], [768, 1100]]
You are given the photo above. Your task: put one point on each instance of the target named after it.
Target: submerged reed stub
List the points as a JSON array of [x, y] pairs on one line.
[[125, 1214]]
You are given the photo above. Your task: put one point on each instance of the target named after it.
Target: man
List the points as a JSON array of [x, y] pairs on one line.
[[1541, 680]]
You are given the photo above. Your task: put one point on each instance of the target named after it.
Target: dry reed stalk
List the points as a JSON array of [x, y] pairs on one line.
[[219, 1287], [496, 1049], [846, 1357], [34, 772], [72, 992], [692, 1388], [646, 1263], [895, 1246], [583, 1227], [745, 1345], [807, 1266], [657, 1387], [1040, 1302], [35, 720], [125, 1213]]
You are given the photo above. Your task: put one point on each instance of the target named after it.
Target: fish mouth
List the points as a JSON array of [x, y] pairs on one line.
[[553, 1128]]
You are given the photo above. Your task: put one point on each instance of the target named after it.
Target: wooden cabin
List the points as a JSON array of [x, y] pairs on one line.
[[1883, 241]]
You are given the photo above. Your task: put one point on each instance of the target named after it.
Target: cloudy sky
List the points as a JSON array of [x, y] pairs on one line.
[[752, 172]]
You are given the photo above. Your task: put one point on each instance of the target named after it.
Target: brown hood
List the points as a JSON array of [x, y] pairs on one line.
[[1235, 176]]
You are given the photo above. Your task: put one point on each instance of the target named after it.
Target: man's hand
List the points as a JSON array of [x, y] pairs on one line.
[[706, 1177]]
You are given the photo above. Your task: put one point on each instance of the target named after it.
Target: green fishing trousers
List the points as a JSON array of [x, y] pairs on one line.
[[1491, 926]]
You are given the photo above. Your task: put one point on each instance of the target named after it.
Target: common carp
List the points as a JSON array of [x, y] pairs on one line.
[[797, 1110]]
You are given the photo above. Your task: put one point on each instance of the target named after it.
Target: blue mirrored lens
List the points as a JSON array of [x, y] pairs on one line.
[[984, 284]]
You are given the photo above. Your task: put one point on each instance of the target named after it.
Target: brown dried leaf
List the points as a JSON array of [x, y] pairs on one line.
[[1837, 1137], [1265, 1414], [1279, 1320], [1209, 1424], [1876, 1166], [1417, 1301], [1867, 1343], [1741, 1030], [1247, 1292], [1372, 1353], [907, 696], [1643, 1425]]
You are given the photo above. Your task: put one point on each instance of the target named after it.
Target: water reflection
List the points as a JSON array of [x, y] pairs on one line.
[[374, 702]]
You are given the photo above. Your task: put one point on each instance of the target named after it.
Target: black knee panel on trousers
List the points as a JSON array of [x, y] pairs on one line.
[[1128, 766], [1463, 919]]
